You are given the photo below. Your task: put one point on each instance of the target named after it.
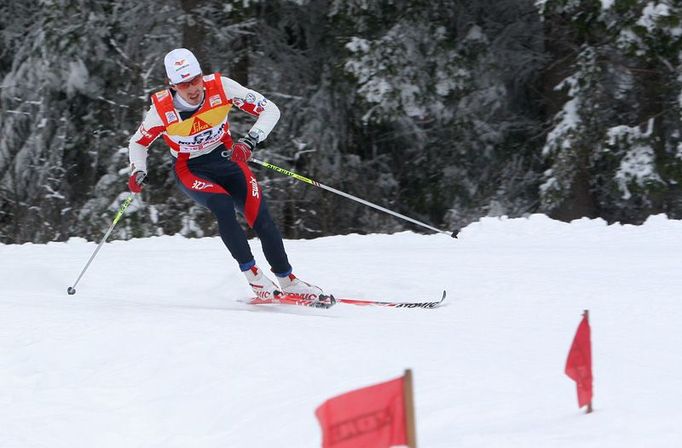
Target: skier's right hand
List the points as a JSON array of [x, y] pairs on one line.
[[136, 181], [241, 151]]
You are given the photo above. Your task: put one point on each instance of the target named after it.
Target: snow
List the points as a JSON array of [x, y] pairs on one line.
[[638, 164], [651, 13], [76, 78], [606, 4], [155, 351], [568, 121]]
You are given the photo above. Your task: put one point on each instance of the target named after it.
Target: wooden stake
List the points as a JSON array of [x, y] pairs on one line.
[[586, 314], [409, 410]]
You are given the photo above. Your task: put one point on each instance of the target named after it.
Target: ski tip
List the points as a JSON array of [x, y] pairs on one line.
[[442, 299]]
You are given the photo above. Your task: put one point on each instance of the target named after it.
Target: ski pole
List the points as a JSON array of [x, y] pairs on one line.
[[349, 196], [71, 290]]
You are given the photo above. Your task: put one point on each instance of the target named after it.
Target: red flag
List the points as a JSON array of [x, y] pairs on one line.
[[372, 417], [579, 363]]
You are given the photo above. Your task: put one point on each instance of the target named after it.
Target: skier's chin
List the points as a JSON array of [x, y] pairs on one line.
[[194, 100]]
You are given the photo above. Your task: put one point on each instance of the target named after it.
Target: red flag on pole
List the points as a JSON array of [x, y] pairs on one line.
[[579, 363], [379, 416]]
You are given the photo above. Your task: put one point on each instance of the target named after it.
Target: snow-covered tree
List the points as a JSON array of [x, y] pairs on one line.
[[440, 84], [72, 77], [443, 110], [613, 150]]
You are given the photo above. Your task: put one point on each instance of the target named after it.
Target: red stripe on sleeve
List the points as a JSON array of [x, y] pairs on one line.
[[149, 135]]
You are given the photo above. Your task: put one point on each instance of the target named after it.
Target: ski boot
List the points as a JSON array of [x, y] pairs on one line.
[[262, 286], [293, 286]]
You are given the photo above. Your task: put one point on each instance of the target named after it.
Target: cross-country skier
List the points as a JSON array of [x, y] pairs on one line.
[[192, 117]]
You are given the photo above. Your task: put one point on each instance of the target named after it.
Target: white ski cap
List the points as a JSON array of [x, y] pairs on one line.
[[181, 65]]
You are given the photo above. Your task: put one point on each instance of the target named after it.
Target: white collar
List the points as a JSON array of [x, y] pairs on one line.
[[181, 104]]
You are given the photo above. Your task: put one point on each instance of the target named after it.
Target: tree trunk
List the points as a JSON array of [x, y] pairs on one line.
[[193, 33], [581, 202]]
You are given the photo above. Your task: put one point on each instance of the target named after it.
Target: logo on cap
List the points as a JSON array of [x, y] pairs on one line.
[[181, 65]]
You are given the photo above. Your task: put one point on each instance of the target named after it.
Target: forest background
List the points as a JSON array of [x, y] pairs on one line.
[[445, 111]]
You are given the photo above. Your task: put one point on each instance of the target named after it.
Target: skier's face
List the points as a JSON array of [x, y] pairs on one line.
[[192, 90]]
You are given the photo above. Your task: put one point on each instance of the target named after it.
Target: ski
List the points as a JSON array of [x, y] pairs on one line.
[[289, 299], [390, 304]]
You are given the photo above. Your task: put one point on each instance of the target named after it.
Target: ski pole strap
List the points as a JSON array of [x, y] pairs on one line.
[[349, 196]]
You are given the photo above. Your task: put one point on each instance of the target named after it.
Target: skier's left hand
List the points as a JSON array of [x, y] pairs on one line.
[[241, 151]]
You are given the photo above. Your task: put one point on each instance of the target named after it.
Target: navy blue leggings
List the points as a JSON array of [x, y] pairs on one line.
[[223, 186]]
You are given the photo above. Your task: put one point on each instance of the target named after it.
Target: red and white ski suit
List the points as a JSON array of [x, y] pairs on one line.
[[208, 127], [199, 139]]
